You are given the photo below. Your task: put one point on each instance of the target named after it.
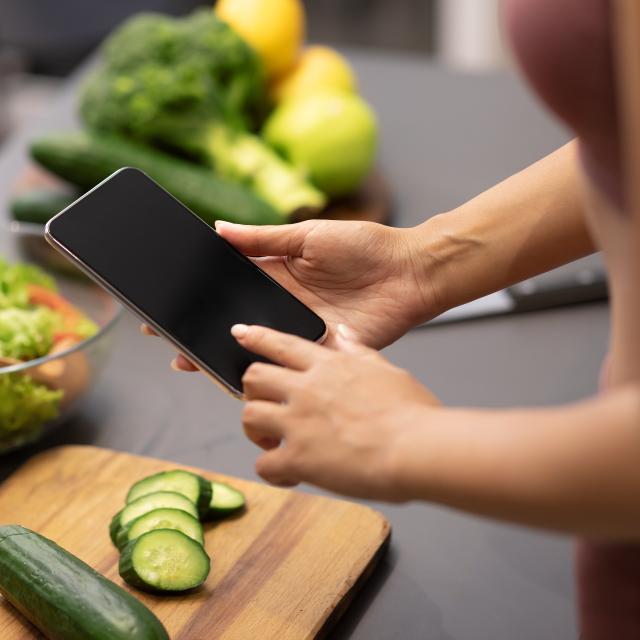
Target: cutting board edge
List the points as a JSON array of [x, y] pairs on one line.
[[345, 602]]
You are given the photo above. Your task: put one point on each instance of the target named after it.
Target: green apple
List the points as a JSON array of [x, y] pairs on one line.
[[330, 134]]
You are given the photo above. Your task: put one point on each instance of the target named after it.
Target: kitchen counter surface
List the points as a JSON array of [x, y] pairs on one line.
[[445, 137]]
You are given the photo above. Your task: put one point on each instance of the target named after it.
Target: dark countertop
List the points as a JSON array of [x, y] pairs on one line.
[[446, 136]]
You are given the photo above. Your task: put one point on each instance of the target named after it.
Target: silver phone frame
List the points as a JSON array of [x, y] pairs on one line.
[[87, 270]]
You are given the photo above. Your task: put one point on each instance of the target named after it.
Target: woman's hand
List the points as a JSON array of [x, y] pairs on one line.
[[368, 276], [331, 417], [357, 273]]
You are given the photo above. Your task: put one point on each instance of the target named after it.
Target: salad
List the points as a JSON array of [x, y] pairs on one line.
[[35, 321]]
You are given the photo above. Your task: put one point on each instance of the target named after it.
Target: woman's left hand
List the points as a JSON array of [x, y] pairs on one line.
[[335, 418]]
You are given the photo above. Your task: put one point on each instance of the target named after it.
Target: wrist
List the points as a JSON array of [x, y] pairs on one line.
[[434, 250], [412, 454]]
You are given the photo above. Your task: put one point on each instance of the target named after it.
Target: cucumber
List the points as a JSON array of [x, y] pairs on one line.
[[85, 158], [161, 519], [64, 597], [158, 500], [114, 527], [164, 560], [40, 205], [225, 500], [191, 485]]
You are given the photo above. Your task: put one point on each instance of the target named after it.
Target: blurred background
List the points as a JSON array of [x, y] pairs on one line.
[[42, 41]]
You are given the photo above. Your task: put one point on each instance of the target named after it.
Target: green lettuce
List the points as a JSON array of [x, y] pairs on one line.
[[85, 328], [25, 406], [14, 279], [26, 334]]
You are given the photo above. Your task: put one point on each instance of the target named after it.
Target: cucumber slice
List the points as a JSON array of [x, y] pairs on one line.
[[158, 500], [193, 486], [114, 527], [225, 500], [164, 560], [161, 519]]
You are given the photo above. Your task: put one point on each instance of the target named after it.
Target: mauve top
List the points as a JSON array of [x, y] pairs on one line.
[[565, 49]]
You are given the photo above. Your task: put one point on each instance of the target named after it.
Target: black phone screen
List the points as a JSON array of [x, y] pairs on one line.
[[165, 262]]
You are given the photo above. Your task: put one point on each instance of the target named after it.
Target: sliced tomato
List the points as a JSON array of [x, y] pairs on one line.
[[66, 336], [45, 297]]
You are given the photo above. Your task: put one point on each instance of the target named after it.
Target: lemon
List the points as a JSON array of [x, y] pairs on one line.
[[318, 67], [274, 28]]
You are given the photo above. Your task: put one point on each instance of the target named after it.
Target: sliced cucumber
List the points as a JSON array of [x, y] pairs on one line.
[[225, 500], [191, 485], [158, 500], [114, 527], [161, 519], [164, 560]]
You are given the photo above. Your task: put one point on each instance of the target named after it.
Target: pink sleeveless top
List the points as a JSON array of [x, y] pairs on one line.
[[564, 47]]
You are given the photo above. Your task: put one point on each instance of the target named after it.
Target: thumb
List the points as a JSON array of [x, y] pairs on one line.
[[268, 240], [347, 340]]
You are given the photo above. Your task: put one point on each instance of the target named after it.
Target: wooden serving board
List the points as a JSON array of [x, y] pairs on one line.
[[285, 569]]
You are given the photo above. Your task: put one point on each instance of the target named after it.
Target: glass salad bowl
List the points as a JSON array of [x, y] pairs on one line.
[[41, 393]]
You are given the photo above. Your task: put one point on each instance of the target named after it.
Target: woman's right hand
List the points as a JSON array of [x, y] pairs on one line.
[[360, 274]]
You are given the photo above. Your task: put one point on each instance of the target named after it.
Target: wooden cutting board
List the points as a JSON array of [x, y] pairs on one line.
[[285, 569]]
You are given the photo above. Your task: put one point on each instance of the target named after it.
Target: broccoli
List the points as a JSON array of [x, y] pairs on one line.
[[194, 86]]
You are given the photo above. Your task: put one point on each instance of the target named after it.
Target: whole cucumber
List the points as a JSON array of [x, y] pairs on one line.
[[40, 205], [64, 597], [86, 158]]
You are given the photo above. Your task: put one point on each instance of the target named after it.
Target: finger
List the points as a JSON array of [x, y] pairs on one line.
[[264, 442], [264, 419], [281, 348], [258, 431], [265, 240], [263, 381], [275, 468], [147, 330], [182, 363], [268, 443]]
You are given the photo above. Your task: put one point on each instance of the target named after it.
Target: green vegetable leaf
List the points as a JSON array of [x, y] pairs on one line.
[[85, 328], [24, 407], [26, 334], [14, 279], [192, 85]]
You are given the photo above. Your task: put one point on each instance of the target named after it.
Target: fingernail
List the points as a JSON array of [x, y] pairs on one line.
[[223, 223], [345, 332], [239, 330], [174, 364]]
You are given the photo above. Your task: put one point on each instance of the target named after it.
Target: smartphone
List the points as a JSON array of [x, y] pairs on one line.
[[176, 273]]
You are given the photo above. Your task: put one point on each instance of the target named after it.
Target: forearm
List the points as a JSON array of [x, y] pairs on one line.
[[574, 469], [527, 224]]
